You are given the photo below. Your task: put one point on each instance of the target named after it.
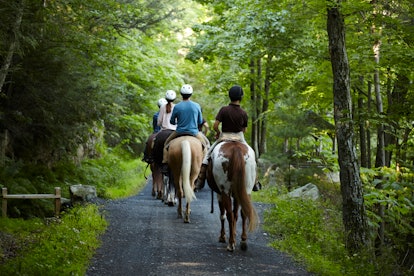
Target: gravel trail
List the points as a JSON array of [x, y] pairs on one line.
[[145, 237]]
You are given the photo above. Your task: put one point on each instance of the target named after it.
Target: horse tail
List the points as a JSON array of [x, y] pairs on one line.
[[185, 171], [237, 173]]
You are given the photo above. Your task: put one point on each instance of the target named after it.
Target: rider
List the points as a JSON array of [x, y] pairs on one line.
[[163, 122], [233, 121], [155, 125], [147, 158], [187, 117], [166, 111]]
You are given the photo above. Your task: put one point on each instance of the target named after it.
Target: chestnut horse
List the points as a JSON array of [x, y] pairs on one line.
[[185, 155], [157, 177], [232, 174], [162, 186]]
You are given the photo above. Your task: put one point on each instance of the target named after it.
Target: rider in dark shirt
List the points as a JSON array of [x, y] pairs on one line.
[[233, 121]]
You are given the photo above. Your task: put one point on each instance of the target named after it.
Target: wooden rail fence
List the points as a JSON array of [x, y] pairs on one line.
[[56, 196]]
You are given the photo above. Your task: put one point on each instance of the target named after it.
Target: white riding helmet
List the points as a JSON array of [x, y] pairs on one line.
[[186, 89], [170, 95], [161, 102]]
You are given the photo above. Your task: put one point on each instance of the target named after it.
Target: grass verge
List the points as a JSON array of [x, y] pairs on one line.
[[311, 232], [53, 247]]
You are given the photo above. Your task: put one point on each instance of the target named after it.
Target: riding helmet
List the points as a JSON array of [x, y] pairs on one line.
[[161, 102], [170, 95], [186, 89], [236, 93]]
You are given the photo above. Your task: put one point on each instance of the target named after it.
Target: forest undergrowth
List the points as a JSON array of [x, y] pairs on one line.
[[312, 230], [33, 241]]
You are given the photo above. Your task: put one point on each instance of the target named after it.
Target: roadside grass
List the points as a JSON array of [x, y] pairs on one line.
[[313, 233], [60, 247], [65, 245]]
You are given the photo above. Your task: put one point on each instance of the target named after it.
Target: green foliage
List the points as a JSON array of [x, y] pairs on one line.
[[63, 246], [114, 175], [392, 190], [82, 63], [313, 233]]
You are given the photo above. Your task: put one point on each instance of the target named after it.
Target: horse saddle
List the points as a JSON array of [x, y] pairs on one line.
[[230, 137]]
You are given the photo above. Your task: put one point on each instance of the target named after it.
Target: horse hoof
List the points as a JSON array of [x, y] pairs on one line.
[[231, 247], [153, 193], [159, 195], [171, 204], [222, 239], [243, 245]]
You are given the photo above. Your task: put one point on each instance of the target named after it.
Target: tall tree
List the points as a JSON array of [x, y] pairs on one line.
[[353, 210]]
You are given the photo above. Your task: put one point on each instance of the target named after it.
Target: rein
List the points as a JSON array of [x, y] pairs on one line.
[[146, 178]]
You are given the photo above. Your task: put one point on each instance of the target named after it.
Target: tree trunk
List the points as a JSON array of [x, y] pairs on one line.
[[4, 70], [380, 157], [396, 111], [253, 99], [362, 131], [257, 104], [354, 216], [265, 107], [14, 41], [369, 164]]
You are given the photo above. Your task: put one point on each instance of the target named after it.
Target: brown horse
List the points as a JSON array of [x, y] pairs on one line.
[[232, 174], [157, 177], [154, 149], [185, 155]]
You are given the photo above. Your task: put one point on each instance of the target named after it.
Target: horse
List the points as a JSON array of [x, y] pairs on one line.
[[157, 177], [185, 154], [162, 186], [231, 173]]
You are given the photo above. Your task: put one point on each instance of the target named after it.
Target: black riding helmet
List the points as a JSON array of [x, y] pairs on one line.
[[236, 93]]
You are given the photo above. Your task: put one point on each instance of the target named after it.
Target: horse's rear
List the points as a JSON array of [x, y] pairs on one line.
[[232, 174], [185, 155], [161, 184]]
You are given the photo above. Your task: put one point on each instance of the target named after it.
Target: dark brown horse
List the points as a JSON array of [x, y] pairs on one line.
[[185, 155], [232, 175], [157, 177], [160, 183]]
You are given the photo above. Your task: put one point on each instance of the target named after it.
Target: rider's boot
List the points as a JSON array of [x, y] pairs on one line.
[[199, 183]]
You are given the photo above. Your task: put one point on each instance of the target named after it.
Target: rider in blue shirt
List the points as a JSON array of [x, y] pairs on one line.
[[187, 116]]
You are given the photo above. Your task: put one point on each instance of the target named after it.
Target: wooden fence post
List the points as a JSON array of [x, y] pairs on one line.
[[57, 201], [4, 202]]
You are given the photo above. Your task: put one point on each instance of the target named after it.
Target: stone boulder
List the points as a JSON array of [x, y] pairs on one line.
[[82, 193], [309, 191]]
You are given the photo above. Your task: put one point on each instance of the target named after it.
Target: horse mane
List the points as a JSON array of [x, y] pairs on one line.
[[237, 175]]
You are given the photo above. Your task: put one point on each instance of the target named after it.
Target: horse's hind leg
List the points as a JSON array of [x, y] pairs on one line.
[[243, 243], [169, 191], [226, 199], [187, 213], [179, 208], [222, 237], [157, 179]]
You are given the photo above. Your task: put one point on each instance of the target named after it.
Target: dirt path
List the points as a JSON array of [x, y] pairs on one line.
[[145, 237]]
